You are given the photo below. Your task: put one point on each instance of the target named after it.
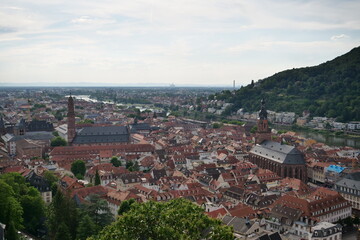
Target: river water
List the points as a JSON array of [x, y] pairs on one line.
[[88, 99], [332, 140], [323, 138]]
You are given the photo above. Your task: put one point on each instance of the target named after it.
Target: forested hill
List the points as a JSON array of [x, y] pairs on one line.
[[331, 89]]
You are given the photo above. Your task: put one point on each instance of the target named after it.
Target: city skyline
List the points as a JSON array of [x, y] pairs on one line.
[[157, 43]]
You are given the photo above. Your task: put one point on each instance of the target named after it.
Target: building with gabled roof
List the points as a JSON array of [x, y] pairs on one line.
[[322, 205], [349, 188], [102, 135], [241, 226], [326, 231], [284, 160], [41, 184]]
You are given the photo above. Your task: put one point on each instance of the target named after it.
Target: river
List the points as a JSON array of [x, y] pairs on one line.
[[88, 99], [332, 140], [338, 141]]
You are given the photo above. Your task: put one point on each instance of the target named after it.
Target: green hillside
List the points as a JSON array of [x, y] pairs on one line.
[[331, 89]]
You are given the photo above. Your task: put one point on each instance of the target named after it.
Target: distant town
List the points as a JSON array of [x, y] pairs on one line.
[[110, 147]]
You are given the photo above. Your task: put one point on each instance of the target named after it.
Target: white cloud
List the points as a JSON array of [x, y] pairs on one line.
[[189, 41], [337, 37]]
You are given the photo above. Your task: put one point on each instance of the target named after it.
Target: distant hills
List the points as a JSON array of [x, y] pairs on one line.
[[331, 89]]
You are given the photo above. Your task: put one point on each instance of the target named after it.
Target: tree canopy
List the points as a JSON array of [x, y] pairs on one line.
[[176, 219], [21, 205], [330, 89], [97, 178], [115, 162], [78, 169], [58, 141], [132, 166], [62, 217]]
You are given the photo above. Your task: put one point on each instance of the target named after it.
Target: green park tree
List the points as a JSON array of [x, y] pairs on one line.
[[20, 203], [10, 208], [10, 231], [125, 206], [62, 211], [33, 210], [62, 232], [175, 219], [52, 179], [86, 228], [97, 178], [115, 162], [58, 141], [98, 210], [132, 166], [78, 168]]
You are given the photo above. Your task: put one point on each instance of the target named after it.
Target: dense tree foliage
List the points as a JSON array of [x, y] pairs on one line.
[[132, 166], [58, 141], [86, 121], [330, 89], [78, 169], [125, 206], [86, 228], [21, 206], [176, 219], [98, 210], [97, 178], [62, 217], [52, 179], [94, 216], [115, 162]]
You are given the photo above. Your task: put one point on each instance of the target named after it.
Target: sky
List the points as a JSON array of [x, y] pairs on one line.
[[160, 42]]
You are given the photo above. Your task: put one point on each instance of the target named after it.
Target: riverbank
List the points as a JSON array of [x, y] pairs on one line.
[[335, 139], [327, 132]]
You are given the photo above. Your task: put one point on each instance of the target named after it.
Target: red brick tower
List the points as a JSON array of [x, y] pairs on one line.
[[71, 120], [263, 131]]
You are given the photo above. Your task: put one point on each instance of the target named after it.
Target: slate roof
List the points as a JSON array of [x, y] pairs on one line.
[[39, 125], [325, 229], [286, 212], [139, 127], [280, 153], [351, 181], [108, 134], [159, 173], [240, 225], [38, 182], [273, 236], [29, 135]]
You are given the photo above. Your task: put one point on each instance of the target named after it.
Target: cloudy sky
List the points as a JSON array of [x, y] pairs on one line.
[[159, 42]]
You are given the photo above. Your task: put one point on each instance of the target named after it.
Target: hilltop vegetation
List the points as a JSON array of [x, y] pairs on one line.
[[331, 89], [175, 219]]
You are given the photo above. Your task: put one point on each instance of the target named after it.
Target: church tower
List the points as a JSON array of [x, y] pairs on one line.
[[263, 131], [71, 120]]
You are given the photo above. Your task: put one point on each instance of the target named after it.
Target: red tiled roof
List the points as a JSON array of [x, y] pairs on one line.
[[129, 148], [19, 169], [82, 193], [242, 211], [217, 213]]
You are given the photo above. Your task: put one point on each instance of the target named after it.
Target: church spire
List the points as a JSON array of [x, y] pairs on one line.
[[263, 112]]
